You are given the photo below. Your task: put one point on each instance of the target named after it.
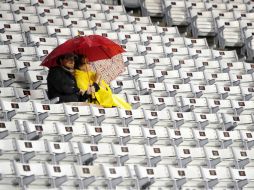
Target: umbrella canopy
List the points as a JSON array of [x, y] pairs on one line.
[[95, 48]]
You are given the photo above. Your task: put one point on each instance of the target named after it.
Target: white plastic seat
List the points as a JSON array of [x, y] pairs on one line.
[[121, 86], [12, 38], [244, 79], [116, 17], [49, 112], [75, 31], [131, 117], [219, 157], [225, 55], [160, 155], [75, 22], [209, 66], [7, 16], [123, 27], [89, 6], [163, 102], [135, 61], [51, 21], [220, 106], [154, 88], [177, 52], [243, 158], [209, 91], [129, 154], [234, 92], [36, 79], [179, 90], [146, 20], [130, 48], [26, 18], [151, 50], [211, 120], [196, 104], [29, 94], [152, 176], [218, 177], [141, 74], [175, 10], [89, 176], [152, 7], [99, 25], [105, 115], [9, 28], [132, 134], [94, 15], [70, 13], [17, 110], [229, 138], [7, 93], [234, 67], [118, 176], [150, 39], [218, 78], [42, 51], [38, 40], [49, 11], [200, 53], [171, 31], [229, 33], [140, 101], [157, 118], [5, 52], [23, 52], [46, 3], [233, 121], [158, 62], [10, 77], [34, 29], [173, 41], [58, 31], [151, 29], [95, 153], [25, 65], [242, 107], [126, 37]]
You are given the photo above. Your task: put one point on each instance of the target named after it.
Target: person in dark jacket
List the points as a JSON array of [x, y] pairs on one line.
[[61, 82]]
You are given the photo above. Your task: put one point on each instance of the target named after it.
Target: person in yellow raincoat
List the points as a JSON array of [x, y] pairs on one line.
[[97, 91]]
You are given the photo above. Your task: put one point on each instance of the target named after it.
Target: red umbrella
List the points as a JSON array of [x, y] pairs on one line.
[[95, 48]]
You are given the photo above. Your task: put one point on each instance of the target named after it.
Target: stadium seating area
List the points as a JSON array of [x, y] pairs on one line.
[[192, 122]]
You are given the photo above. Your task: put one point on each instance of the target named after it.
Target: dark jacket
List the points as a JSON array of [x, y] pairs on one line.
[[62, 84]]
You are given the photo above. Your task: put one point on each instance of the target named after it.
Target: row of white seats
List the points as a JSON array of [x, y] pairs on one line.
[[25, 53], [180, 76], [41, 113], [203, 105], [240, 92], [133, 134], [174, 9], [135, 176], [60, 9], [189, 65], [81, 153], [87, 15]]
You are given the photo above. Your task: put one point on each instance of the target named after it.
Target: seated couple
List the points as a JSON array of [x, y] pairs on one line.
[[74, 81]]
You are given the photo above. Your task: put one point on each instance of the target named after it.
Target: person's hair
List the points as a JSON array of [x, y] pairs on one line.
[[68, 56], [78, 61]]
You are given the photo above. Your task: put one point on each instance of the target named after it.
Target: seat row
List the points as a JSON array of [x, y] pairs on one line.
[[133, 134], [26, 151], [41, 113], [71, 176]]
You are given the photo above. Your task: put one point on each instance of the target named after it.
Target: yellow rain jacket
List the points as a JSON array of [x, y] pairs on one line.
[[104, 95]]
